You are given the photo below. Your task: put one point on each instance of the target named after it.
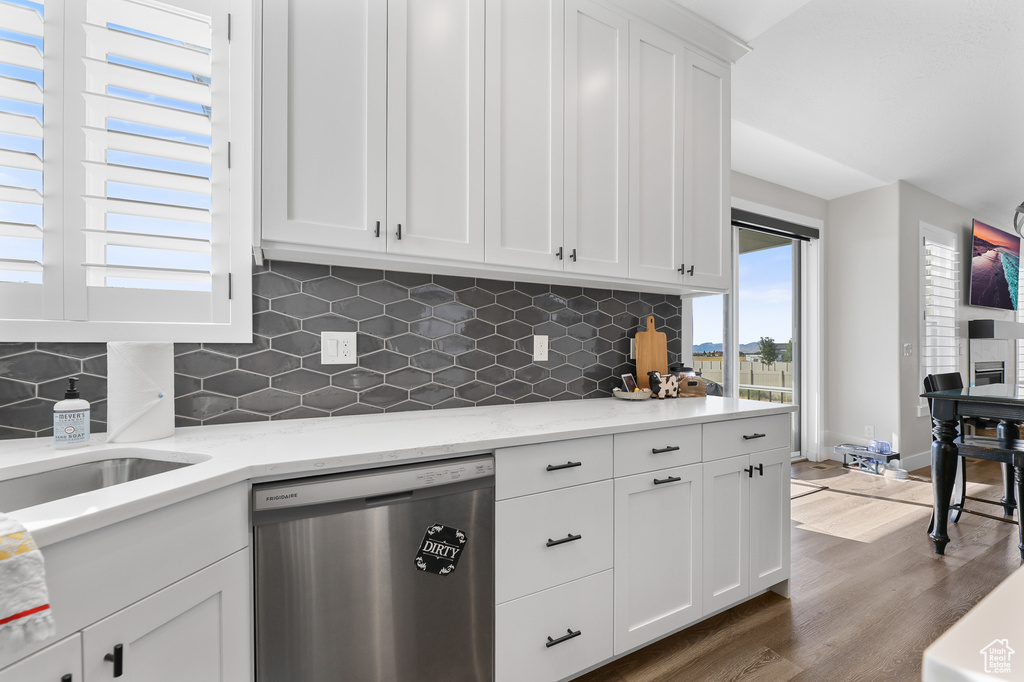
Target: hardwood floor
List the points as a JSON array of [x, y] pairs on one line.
[[868, 592]]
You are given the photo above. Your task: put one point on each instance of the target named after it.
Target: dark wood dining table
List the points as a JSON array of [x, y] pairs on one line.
[[1000, 402]]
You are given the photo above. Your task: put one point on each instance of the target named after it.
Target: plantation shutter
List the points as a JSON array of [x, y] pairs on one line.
[[149, 240], [21, 159], [941, 298]]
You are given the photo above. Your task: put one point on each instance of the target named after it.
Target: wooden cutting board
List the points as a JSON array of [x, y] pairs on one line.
[[651, 354]]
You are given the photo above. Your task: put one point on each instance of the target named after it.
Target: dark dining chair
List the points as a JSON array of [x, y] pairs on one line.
[[948, 382]]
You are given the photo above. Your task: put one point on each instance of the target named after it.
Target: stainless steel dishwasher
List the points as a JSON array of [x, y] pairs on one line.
[[385, 575]]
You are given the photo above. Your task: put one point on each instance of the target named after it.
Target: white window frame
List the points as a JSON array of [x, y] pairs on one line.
[[59, 319], [950, 304]]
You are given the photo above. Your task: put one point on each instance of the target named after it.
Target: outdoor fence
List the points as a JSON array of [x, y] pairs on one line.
[[757, 382]]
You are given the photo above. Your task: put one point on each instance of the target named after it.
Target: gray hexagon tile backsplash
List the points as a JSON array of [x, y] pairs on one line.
[[425, 342]]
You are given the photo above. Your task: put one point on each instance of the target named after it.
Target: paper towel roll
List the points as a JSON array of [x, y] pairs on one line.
[[140, 391]]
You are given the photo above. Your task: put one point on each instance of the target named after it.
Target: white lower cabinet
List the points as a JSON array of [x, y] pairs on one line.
[[60, 662], [196, 629], [551, 538], [658, 533], [746, 526], [552, 634]]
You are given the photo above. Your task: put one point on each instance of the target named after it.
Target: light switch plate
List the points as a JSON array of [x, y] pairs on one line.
[[338, 348]]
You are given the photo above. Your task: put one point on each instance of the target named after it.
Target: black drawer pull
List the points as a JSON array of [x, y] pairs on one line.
[[66, 678], [567, 465], [117, 658], [670, 479], [399, 233], [376, 233], [760, 469], [658, 451], [563, 638], [569, 538], [750, 472], [756, 435]]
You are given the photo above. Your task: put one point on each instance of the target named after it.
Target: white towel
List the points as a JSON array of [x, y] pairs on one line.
[[24, 601]]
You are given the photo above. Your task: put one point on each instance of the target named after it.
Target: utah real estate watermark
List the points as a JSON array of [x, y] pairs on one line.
[[997, 656]]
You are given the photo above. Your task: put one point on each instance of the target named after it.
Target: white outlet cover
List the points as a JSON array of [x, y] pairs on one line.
[[540, 347], [338, 348]]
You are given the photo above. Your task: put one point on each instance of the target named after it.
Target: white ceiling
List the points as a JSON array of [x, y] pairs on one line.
[[842, 95]]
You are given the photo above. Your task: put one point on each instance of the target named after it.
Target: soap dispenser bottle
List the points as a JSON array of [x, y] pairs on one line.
[[71, 419]]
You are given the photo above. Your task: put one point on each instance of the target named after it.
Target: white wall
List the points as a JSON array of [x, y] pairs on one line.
[[915, 206], [862, 309]]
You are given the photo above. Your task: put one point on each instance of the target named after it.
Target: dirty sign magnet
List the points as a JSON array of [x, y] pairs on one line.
[[440, 549]]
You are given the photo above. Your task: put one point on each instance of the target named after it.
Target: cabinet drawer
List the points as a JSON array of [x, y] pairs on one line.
[[642, 451], [523, 628], [535, 547], [744, 436], [547, 466]]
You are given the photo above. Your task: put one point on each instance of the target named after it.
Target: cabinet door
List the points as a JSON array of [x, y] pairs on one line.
[[658, 554], [324, 122], [596, 140], [60, 662], [656, 133], [726, 532], [197, 629], [770, 524], [436, 128], [524, 103], [707, 223]]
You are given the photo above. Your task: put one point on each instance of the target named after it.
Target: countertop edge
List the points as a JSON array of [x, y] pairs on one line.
[[251, 452]]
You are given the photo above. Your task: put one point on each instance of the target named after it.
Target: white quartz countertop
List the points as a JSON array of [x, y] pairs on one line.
[[987, 643], [284, 449]]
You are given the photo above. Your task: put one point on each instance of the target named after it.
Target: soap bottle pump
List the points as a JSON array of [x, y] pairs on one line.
[[71, 419]]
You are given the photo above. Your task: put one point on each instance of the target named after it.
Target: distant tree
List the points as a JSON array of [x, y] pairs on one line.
[[769, 351], [787, 352]]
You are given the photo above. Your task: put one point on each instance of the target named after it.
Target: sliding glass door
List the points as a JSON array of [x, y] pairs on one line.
[[767, 318]]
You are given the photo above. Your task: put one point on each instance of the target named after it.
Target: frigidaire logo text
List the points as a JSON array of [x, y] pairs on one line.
[[273, 498]]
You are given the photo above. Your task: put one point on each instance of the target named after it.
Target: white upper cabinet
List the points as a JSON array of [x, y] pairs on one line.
[[518, 136], [373, 126], [325, 123], [707, 234], [436, 128], [596, 140], [657, 132], [524, 103]]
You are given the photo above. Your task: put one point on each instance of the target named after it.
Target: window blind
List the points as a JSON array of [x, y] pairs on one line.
[[21, 156], [941, 293], [149, 136]]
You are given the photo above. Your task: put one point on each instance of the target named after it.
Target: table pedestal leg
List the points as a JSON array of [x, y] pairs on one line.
[[1018, 477], [1009, 498], [944, 452], [1008, 432]]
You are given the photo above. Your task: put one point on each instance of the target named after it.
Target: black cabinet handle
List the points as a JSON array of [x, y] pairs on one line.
[[569, 538], [399, 233], [690, 271], [567, 465], [563, 638], [376, 233], [658, 451], [750, 472], [559, 253], [66, 678], [760, 469], [117, 658], [682, 269], [572, 256], [670, 479], [756, 435]]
